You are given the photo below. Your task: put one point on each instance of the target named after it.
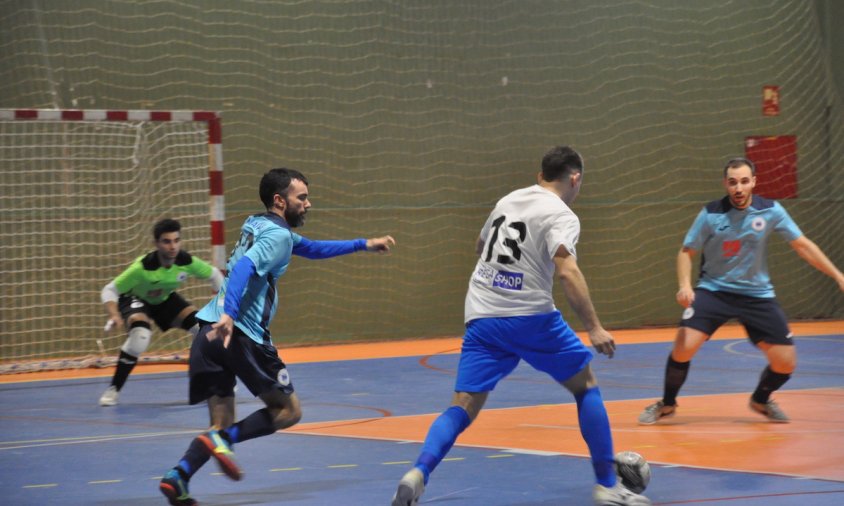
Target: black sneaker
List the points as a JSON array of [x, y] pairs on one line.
[[770, 410]]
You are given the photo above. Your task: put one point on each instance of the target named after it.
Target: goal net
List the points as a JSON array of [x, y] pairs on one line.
[[81, 192]]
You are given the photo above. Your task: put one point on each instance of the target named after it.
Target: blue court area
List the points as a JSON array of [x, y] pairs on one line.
[[59, 447]]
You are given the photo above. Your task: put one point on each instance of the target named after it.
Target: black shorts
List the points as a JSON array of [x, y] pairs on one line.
[[213, 370], [763, 319], [162, 314]]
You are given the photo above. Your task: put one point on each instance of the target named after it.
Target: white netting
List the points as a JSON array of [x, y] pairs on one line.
[[78, 204]]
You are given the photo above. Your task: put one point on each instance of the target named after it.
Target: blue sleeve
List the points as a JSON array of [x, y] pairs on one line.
[[785, 225], [316, 250], [238, 278], [697, 233]]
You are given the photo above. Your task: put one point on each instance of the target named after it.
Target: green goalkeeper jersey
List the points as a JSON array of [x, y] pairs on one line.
[[153, 283]]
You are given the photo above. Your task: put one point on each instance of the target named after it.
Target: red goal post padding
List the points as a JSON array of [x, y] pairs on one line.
[[215, 152]]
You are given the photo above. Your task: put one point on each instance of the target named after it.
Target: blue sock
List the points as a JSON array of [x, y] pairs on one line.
[[595, 428], [193, 459], [441, 437]]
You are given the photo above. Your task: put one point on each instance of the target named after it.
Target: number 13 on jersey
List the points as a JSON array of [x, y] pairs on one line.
[[503, 241]]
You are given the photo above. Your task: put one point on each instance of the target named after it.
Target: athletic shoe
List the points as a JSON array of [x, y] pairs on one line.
[[617, 496], [656, 411], [410, 489], [175, 489], [109, 397], [217, 447], [769, 410]]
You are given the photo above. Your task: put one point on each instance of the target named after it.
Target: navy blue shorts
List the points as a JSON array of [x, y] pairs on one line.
[[214, 370], [492, 348], [162, 314], [763, 319]]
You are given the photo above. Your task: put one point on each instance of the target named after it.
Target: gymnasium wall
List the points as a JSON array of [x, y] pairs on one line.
[[412, 118]]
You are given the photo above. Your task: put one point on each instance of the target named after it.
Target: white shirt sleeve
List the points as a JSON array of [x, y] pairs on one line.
[[216, 279], [109, 293], [566, 232]]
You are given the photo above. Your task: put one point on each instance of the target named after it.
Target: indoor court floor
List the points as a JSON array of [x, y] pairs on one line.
[[367, 408]]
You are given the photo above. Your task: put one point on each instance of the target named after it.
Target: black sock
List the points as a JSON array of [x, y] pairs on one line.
[[769, 382], [193, 459], [260, 423], [125, 364], [675, 376]]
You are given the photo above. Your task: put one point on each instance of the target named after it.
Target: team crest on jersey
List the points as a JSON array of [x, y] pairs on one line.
[[758, 224], [688, 312], [283, 377], [183, 276]]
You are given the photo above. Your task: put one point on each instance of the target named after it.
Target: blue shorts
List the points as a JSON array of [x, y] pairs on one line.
[[492, 348], [213, 370], [763, 318]]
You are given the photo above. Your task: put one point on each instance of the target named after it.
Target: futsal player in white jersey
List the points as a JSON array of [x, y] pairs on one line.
[[732, 235], [529, 239]]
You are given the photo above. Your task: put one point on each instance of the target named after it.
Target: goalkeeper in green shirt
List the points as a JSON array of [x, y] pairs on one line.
[[146, 292]]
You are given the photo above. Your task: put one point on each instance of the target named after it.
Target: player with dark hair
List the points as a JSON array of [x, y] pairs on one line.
[[732, 234], [146, 292], [527, 240], [234, 339]]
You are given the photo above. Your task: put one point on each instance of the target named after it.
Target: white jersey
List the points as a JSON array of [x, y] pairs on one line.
[[515, 274]]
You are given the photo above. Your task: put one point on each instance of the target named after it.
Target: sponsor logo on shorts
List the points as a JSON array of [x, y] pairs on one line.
[[508, 280], [136, 304], [688, 312], [789, 336], [284, 377], [758, 224]]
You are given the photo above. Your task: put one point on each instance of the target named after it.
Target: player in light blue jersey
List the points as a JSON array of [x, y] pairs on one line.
[[732, 234], [234, 337]]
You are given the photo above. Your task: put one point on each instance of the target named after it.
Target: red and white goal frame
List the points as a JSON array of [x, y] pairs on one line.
[[215, 152]]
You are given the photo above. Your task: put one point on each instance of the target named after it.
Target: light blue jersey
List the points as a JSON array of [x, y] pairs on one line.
[[734, 243], [259, 259], [268, 241]]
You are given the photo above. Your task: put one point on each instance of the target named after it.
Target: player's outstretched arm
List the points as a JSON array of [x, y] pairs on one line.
[[577, 293], [380, 244], [814, 256]]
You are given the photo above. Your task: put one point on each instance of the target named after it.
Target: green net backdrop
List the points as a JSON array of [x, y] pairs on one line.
[[412, 118]]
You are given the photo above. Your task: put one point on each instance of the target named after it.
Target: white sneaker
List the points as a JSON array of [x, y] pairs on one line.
[[109, 397], [410, 489], [618, 496]]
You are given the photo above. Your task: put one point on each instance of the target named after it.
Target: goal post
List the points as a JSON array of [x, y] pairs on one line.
[[81, 190]]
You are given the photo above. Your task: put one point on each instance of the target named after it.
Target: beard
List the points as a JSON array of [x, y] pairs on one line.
[[294, 219]]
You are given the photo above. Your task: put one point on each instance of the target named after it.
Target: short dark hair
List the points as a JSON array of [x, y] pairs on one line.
[[277, 181], [165, 226], [735, 163], [559, 162]]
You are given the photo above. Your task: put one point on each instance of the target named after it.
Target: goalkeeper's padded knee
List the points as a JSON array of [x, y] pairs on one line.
[[139, 337]]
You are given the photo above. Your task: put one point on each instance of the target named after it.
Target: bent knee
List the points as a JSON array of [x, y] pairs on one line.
[[287, 417]]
